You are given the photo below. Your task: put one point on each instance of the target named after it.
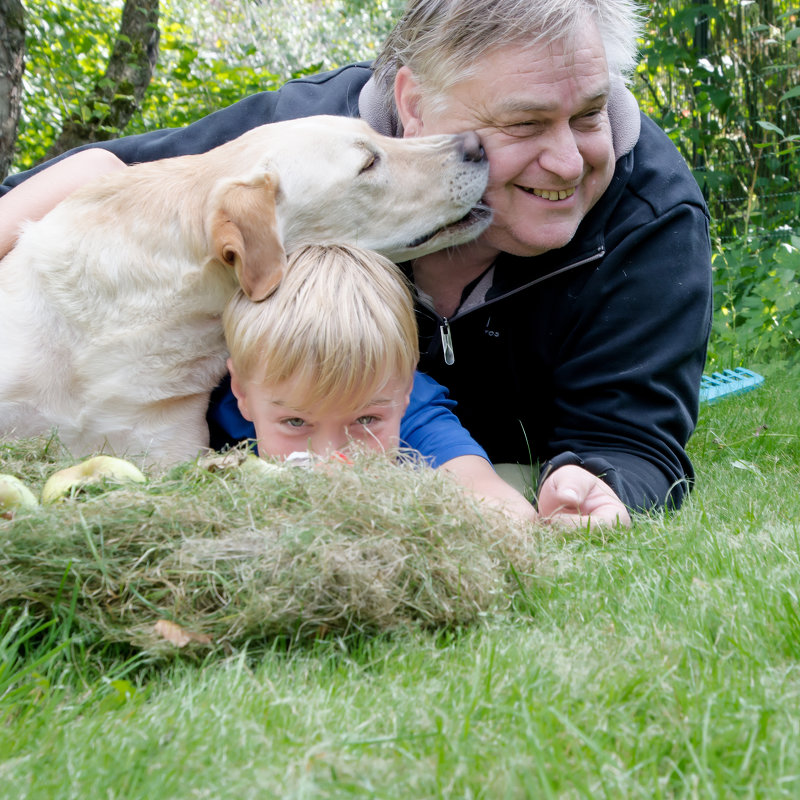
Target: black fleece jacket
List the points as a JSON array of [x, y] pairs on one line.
[[590, 354]]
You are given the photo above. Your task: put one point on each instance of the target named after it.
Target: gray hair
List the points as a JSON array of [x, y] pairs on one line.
[[441, 40]]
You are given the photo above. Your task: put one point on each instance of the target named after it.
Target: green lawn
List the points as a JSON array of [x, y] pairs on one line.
[[663, 661]]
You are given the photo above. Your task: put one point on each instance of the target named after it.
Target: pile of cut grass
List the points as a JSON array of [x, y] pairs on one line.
[[230, 555]]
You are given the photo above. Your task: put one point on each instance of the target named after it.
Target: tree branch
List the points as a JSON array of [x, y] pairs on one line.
[[116, 97], [12, 64]]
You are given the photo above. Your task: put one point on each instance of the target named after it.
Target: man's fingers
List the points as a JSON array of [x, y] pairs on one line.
[[572, 497]]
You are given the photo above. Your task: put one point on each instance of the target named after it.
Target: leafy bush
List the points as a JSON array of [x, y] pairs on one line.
[[723, 80], [210, 56], [757, 304], [68, 43]]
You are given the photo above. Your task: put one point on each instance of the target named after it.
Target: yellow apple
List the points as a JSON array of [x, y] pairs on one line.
[[253, 465], [93, 470], [15, 494]]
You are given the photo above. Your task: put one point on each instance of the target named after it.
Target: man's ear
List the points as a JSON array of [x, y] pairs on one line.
[[239, 393], [408, 100], [242, 229]]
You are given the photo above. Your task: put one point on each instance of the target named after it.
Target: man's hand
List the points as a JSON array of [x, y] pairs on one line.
[[572, 496]]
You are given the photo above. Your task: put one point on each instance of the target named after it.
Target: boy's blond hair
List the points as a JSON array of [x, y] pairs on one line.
[[341, 320]]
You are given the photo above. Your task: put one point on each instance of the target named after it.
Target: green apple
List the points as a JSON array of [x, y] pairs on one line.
[[253, 465], [93, 470], [15, 494]]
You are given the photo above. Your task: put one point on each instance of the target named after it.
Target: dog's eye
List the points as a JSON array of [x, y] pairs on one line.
[[372, 160]]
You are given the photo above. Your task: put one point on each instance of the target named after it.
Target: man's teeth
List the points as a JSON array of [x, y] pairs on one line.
[[562, 194]]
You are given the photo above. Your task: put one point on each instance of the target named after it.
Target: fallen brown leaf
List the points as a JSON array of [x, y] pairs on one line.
[[177, 635]]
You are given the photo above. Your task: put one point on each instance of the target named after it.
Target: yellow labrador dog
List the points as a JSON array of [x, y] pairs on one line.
[[110, 305]]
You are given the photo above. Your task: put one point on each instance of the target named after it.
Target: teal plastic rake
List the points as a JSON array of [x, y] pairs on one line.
[[730, 381]]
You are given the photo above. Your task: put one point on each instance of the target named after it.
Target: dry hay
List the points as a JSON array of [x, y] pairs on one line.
[[226, 557]]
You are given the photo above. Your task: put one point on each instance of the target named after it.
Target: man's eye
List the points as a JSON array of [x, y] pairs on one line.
[[518, 129], [591, 117]]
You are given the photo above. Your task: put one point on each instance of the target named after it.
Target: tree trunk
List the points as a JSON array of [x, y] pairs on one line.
[[115, 99], [12, 61]]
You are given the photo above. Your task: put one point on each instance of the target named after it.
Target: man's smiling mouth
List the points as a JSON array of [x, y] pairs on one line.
[[546, 194]]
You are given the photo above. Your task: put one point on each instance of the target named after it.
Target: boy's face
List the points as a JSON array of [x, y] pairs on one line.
[[285, 422]]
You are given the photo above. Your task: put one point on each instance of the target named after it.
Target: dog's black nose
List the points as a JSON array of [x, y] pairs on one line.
[[471, 147]]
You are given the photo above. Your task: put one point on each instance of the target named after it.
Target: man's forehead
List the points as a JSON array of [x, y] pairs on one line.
[[534, 105]]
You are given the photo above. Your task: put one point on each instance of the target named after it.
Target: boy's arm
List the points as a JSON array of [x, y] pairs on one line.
[[431, 428], [478, 475], [32, 199]]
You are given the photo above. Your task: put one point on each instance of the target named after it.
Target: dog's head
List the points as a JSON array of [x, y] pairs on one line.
[[323, 180], [343, 182]]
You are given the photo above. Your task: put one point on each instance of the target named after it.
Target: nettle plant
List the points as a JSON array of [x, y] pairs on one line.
[[756, 304], [723, 80]]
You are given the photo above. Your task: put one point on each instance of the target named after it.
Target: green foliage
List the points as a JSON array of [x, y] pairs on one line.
[[723, 80], [210, 56], [68, 43], [757, 304]]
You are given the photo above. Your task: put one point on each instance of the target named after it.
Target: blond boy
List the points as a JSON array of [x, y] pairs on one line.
[[330, 358]]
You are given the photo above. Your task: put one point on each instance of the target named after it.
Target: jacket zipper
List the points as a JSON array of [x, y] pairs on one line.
[[444, 327], [447, 342]]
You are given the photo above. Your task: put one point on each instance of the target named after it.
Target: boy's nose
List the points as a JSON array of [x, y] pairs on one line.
[[324, 441]]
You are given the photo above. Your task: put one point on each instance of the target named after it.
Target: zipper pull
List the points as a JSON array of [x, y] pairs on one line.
[[447, 342]]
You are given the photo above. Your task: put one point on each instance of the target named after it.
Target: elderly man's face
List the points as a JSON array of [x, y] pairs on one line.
[[541, 115]]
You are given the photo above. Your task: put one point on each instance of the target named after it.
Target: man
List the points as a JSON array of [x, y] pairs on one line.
[[573, 332]]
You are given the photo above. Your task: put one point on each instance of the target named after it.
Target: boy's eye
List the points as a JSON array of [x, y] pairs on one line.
[[294, 422], [367, 419]]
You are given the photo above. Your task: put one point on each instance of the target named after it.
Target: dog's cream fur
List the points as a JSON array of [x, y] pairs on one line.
[[110, 306]]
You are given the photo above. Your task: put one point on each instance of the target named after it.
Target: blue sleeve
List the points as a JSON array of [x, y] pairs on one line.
[[226, 425], [430, 427]]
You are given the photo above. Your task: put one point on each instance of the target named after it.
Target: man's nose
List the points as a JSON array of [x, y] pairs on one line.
[[561, 155]]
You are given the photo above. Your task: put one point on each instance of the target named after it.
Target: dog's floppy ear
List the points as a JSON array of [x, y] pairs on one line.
[[243, 231]]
